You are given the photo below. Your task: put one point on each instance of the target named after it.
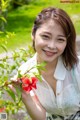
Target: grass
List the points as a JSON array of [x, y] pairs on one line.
[[20, 21]]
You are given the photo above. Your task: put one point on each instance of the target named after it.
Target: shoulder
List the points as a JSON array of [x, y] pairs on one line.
[[77, 67], [28, 64], [76, 71]]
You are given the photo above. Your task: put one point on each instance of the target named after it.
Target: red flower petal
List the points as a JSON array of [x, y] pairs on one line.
[[26, 80], [28, 84], [28, 89], [34, 79], [34, 86]]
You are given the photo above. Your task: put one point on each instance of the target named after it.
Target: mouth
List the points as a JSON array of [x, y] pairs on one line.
[[49, 53]]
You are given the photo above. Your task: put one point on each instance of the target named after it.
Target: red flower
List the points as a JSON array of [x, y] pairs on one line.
[[29, 83], [2, 109]]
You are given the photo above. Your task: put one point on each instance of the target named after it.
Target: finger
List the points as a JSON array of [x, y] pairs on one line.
[[12, 88], [34, 96]]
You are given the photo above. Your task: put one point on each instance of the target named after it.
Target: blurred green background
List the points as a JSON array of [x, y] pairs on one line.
[[20, 20]]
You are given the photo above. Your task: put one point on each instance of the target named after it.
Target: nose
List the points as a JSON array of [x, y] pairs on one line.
[[52, 45]]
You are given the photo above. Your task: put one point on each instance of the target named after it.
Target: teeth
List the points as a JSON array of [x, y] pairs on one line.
[[50, 51]]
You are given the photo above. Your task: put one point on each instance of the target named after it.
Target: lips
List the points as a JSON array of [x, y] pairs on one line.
[[49, 53]]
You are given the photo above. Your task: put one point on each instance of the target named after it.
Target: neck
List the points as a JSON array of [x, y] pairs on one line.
[[50, 66]]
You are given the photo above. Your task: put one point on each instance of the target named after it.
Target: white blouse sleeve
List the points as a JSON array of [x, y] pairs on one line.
[[77, 73], [27, 66], [22, 70]]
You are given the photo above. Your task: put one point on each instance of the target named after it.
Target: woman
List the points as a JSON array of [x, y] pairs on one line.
[[58, 95]]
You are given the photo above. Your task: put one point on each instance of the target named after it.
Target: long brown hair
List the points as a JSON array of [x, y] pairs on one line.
[[69, 55]]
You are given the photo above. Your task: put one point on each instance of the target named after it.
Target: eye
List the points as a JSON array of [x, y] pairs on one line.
[[61, 40], [45, 37]]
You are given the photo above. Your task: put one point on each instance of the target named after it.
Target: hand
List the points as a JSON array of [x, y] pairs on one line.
[[31, 102], [25, 95]]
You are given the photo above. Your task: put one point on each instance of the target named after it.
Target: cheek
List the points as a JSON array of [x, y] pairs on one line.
[[39, 43], [62, 47]]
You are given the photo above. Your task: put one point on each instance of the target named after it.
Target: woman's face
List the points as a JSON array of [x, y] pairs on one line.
[[50, 41]]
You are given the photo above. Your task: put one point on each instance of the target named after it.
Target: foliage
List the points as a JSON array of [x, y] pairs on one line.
[[3, 13], [6, 5], [8, 68]]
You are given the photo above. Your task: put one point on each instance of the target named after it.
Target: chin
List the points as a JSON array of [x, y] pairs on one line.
[[49, 60]]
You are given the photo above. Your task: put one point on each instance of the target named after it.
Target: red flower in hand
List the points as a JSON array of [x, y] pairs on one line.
[[29, 83]]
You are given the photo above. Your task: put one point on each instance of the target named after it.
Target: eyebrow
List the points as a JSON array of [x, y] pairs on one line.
[[46, 33], [51, 34], [62, 36]]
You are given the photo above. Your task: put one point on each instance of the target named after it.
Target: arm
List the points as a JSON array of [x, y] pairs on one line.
[[33, 106]]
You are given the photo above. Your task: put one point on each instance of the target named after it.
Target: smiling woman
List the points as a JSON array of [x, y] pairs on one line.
[[54, 41], [50, 41]]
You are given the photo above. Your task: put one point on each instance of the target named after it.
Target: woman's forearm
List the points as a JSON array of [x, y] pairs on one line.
[[33, 106]]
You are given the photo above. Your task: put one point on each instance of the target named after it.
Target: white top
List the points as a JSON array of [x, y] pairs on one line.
[[67, 100]]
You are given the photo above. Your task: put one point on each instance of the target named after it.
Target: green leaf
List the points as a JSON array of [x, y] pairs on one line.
[[38, 76], [11, 93], [2, 65], [19, 74], [13, 67], [6, 77], [2, 18], [4, 47], [1, 102], [1, 32], [10, 34], [41, 66], [18, 93], [2, 2], [0, 94]]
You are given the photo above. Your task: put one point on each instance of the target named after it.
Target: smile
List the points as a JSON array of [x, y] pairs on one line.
[[49, 53]]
